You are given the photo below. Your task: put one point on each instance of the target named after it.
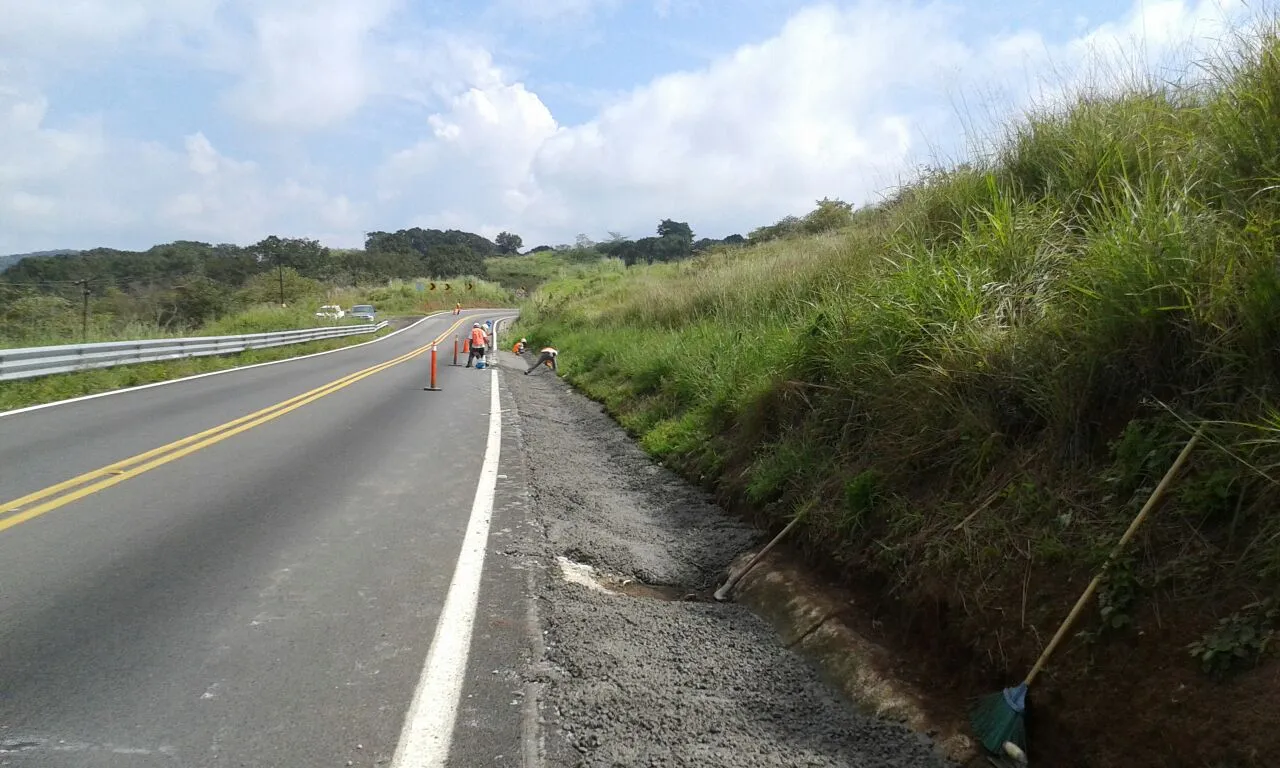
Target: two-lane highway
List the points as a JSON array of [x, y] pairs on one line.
[[240, 569]]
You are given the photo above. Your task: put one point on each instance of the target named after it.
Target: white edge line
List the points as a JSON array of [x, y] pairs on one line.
[[428, 727], [124, 390]]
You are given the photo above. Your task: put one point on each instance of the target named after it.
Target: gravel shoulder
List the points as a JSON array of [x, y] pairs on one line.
[[632, 673]]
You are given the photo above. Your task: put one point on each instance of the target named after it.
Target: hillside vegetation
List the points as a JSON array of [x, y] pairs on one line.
[[1040, 329], [204, 308], [186, 286]]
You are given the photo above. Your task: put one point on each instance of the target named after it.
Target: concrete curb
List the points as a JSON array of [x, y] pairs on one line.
[[809, 620]]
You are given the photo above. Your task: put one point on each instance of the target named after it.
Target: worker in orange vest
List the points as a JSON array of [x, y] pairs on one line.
[[519, 346], [479, 340], [548, 356]]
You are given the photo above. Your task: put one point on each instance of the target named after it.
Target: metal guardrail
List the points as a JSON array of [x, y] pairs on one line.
[[29, 362]]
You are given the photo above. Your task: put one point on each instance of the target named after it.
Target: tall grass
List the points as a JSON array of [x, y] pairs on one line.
[[1012, 326]]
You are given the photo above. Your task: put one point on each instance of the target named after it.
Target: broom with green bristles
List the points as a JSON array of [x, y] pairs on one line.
[[998, 719]]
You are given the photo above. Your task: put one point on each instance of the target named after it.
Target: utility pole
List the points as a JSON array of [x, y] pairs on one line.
[[84, 311], [280, 272]]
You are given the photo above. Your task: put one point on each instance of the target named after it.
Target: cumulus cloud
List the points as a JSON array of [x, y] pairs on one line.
[[821, 106], [844, 100], [76, 186], [551, 10], [310, 64], [69, 32]]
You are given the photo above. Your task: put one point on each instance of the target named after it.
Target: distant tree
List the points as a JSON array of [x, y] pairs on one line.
[[365, 266], [306, 257], [735, 240], [541, 248], [828, 216], [787, 225], [453, 261], [199, 300], [449, 253], [264, 288], [35, 316], [676, 229], [583, 242], [231, 265], [508, 244]]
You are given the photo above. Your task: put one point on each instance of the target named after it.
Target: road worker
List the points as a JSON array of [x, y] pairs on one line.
[[457, 309], [548, 356], [479, 340], [519, 346]]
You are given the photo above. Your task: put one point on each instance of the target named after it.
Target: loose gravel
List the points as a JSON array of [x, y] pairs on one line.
[[639, 681]]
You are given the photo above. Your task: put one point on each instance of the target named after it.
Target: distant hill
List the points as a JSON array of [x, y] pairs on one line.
[[9, 260]]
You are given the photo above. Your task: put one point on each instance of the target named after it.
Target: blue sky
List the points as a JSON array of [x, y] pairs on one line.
[[126, 123]]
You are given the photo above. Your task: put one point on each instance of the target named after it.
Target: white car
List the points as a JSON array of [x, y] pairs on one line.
[[331, 311]]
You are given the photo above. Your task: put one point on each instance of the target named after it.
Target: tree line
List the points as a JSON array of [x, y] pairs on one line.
[[186, 283]]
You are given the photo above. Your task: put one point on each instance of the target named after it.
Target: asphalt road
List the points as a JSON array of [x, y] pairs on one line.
[[265, 595]]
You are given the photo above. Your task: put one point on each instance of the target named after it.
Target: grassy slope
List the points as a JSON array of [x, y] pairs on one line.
[[1040, 328], [531, 270]]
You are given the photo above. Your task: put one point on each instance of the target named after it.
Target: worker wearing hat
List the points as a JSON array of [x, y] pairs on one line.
[[479, 340], [548, 356]]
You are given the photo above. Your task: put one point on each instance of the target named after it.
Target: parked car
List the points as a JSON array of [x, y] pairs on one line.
[[364, 312], [331, 311]]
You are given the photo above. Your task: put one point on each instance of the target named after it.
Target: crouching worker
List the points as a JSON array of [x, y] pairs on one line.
[[548, 356], [478, 342], [519, 347]]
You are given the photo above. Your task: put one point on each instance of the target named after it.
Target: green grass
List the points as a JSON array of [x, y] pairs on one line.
[[47, 389], [1109, 271], [402, 296], [531, 270], [37, 320]]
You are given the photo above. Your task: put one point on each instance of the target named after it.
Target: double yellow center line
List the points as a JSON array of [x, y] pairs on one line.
[[48, 499]]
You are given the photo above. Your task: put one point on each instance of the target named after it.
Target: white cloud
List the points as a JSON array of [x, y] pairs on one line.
[[310, 63], [815, 110], [207, 194], [843, 101], [1157, 35], [78, 187], [69, 31], [550, 10], [475, 166]]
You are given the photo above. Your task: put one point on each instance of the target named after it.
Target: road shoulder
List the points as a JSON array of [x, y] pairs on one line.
[[626, 669]]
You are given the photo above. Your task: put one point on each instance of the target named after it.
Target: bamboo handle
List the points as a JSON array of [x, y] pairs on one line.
[[1152, 500], [723, 592]]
